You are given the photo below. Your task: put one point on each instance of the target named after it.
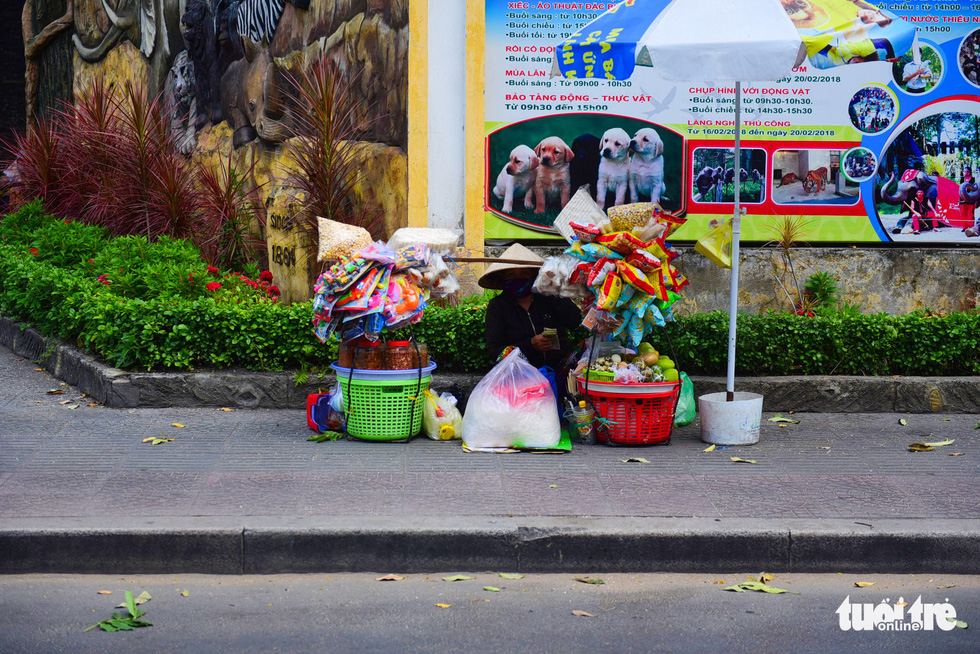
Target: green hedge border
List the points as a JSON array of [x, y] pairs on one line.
[[183, 334]]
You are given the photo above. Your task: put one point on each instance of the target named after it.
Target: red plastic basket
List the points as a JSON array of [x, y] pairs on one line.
[[637, 418]]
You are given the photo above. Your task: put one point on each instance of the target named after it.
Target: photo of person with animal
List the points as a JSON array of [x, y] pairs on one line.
[[534, 166], [811, 176], [934, 155], [968, 57], [859, 164], [872, 109], [919, 70], [713, 175]]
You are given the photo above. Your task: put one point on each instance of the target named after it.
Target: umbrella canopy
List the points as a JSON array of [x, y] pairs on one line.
[[727, 41]]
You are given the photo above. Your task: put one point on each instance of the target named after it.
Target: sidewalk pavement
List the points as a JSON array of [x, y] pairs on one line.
[[243, 491]]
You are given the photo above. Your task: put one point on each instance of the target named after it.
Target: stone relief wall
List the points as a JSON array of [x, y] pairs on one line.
[[224, 65]]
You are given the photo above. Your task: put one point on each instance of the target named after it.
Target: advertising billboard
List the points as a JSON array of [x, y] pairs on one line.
[[848, 147]]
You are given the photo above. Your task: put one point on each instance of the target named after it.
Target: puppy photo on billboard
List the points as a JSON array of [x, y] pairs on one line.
[[517, 177], [553, 178], [614, 166], [646, 168]]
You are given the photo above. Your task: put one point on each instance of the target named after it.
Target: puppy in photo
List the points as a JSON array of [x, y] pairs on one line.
[[553, 176], [614, 166], [646, 166], [585, 165], [516, 178]]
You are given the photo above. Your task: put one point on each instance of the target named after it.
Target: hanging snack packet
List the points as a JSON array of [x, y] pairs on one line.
[[597, 276], [643, 260], [586, 232], [635, 277], [622, 242], [671, 221], [612, 286]]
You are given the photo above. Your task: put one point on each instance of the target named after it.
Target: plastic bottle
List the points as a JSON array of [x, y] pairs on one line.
[[584, 421]]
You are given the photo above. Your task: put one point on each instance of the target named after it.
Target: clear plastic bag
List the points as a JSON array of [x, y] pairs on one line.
[[549, 280], [512, 406], [441, 420]]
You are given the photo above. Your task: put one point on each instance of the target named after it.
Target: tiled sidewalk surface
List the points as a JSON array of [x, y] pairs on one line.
[[57, 461]]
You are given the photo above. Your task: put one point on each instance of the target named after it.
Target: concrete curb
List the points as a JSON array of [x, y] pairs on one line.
[[270, 545], [269, 390]]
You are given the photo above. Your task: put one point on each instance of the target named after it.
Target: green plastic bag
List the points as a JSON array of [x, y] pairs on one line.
[[685, 402]]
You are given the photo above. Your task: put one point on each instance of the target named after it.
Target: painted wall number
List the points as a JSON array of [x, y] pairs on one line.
[[284, 256]]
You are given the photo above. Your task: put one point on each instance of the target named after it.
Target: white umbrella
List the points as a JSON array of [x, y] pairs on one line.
[[727, 41], [733, 41]]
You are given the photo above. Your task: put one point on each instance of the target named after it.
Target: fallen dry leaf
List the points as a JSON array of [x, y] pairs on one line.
[[511, 575], [590, 580], [458, 578], [151, 438], [72, 406], [957, 453], [443, 606], [105, 592], [710, 448], [177, 425], [823, 448], [93, 404], [740, 460], [64, 402], [943, 586], [390, 578], [635, 460], [56, 391], [583, 614], [224, 408], [185, 593], [864, 584]]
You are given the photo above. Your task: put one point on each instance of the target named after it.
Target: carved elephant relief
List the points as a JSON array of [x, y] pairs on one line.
[[153, 26]]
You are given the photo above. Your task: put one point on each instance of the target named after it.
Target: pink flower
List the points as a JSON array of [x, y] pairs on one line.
[[213, 286], [34, 251], [91, 260], [266, 275], [243, 278], [104, 279], [275, 299], [212, 271], [264, 284], [190, 277]]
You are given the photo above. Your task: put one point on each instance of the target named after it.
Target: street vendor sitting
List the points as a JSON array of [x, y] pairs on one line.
[[518, 317]]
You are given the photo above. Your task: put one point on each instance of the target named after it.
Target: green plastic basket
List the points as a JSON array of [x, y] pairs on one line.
[[384, 410], [599, 375]]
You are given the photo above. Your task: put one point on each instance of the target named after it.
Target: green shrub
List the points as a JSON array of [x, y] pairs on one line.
[[156, 315]]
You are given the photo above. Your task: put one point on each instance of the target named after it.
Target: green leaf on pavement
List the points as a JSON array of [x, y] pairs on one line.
[[326, 436], [492, 589], [920, 447], [458, 578], [948, 441], [779, 418], [185, 593], [902, 421], [142, 598], [131, 603], [511, 575], [590, 580], [710, 448], [760, 587], [958, 623]]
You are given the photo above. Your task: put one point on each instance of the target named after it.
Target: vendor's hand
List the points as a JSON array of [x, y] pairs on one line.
[[543, 343]]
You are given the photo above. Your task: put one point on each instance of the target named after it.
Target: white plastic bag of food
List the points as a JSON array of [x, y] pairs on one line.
[[441, 420], [439, 239], [513, 406]]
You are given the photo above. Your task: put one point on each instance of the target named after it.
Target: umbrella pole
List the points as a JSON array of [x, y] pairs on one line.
[[736, 231]]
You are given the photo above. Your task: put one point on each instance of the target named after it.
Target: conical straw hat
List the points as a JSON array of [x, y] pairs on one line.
[[492, 278]]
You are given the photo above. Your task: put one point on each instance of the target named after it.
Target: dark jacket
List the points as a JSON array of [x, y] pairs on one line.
[[508, 323]]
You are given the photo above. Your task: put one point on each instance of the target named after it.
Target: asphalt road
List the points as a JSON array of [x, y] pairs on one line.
[[357, 613]]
